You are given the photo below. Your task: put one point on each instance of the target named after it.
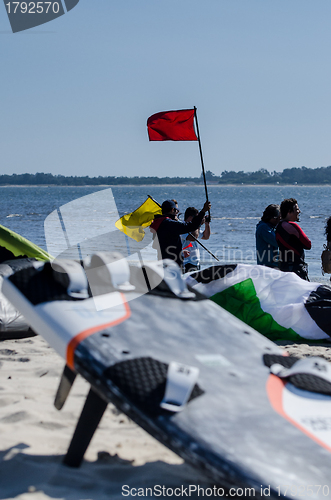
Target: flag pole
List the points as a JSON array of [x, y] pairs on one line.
[[205, 248], [195, 239], [151, 197], [200, 148]]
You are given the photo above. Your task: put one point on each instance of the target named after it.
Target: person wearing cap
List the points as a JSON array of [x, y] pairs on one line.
[[167, 229], [266, 243]]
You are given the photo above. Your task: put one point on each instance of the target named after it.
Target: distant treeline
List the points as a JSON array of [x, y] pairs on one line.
[[302, 175]]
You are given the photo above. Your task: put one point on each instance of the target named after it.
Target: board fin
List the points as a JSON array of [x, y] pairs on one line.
[[66, 382], [88, 422]]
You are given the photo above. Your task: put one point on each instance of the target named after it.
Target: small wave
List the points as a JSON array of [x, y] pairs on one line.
[[14, 215], [235, 218], [315, 217]]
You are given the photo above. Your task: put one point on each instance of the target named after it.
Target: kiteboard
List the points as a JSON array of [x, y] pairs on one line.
[[199, 380]]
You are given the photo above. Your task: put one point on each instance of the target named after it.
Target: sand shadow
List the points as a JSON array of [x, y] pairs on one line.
[[107, 478]]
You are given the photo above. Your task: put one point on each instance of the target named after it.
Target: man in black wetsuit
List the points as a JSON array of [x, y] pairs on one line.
[[167, 230]]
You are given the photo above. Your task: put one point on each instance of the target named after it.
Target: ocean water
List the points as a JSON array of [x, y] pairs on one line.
[[235, 212]]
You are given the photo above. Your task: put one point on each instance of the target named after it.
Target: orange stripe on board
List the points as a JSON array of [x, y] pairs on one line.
[[86, 333], [275, 387]]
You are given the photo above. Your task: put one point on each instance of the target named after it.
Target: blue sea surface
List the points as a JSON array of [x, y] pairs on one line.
[[235, 212]]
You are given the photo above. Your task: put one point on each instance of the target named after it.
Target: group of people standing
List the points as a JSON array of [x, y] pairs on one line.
[[176, 240], [280, 241]]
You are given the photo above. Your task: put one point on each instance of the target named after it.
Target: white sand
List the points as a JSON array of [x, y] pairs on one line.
[[303, 350], [34, 436]]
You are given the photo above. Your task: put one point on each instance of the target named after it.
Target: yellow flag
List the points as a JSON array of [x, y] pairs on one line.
[[132, 224]]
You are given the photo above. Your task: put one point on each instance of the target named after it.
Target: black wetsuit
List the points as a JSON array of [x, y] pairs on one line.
[[168, 232]]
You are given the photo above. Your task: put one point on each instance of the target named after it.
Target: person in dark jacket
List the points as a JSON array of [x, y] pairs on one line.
[[292, 241], [167, 230], [326, 254], [266, 243], [191, 261], [328, 232]]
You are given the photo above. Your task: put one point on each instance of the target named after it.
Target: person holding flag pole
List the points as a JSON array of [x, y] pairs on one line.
[[189, 241], [165, 126], [178, 126], [168, 229]]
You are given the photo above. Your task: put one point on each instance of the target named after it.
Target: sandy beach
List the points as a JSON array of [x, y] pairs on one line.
[[35, 436]]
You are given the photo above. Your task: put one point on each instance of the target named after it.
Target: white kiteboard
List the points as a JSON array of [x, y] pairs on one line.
[[196, 378]]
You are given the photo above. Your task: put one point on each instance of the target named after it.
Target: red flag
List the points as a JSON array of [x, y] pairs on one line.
[[172, 126]]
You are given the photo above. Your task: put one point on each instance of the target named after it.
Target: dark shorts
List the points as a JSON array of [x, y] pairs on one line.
[[187, 268]]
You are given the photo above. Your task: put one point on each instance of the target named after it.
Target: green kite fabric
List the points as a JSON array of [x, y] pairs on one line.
[[279, 305], [20, 246], [241, 300]]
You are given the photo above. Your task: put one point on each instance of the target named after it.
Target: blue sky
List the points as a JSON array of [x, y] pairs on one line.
[[76, 92]]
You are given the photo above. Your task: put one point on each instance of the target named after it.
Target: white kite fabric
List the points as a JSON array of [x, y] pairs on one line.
[[271, 301]]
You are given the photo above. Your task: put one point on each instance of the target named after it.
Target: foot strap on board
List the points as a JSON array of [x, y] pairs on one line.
[[310, 374], [146, 383], [109, 269], [65, 269], [181, 380]]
